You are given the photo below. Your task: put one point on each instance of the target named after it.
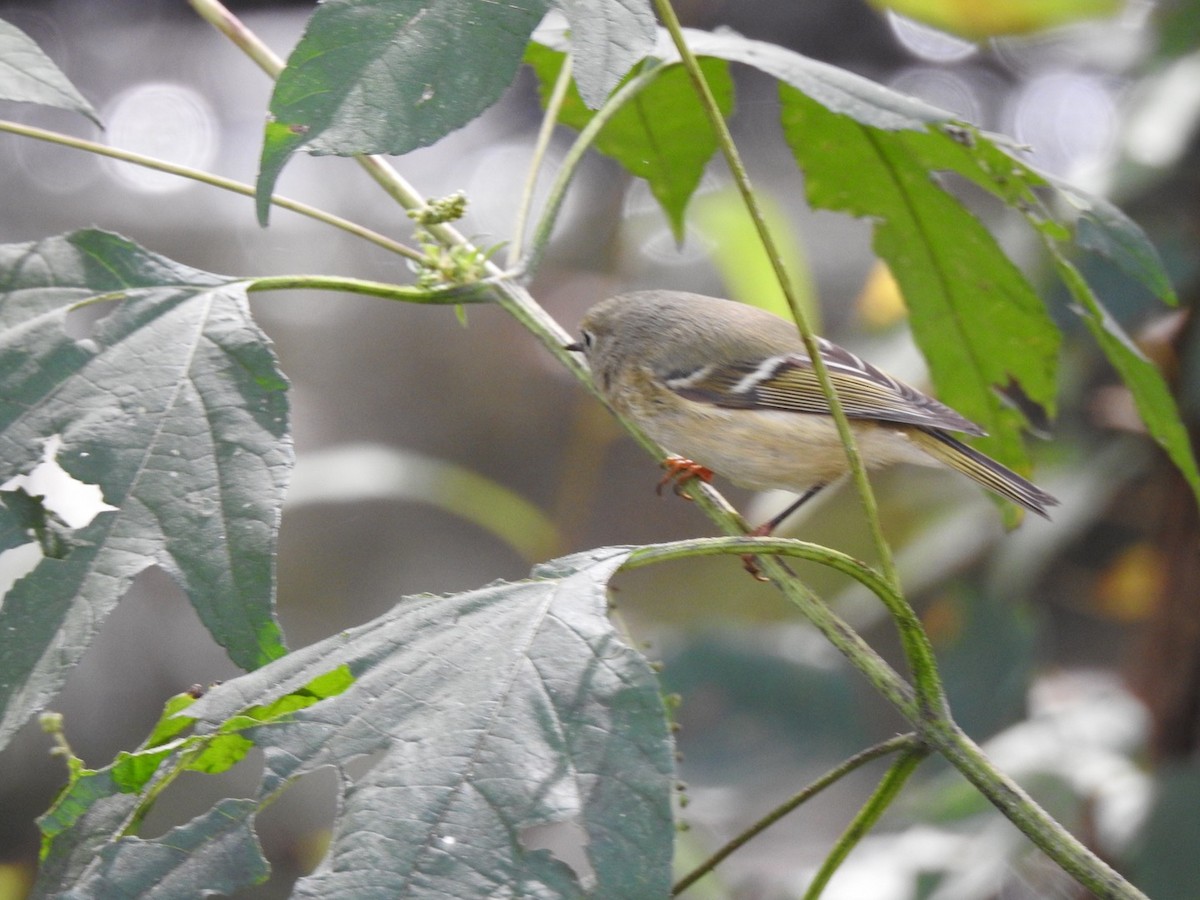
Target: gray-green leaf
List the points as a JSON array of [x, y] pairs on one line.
[[175, 408], [607, 38], [29, 75], [388, 76], [487, 714]]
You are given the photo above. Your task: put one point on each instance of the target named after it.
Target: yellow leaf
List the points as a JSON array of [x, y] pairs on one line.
[[881, 304], [979, 19]]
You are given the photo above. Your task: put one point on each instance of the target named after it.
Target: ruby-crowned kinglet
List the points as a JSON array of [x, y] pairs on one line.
[[732, 388]]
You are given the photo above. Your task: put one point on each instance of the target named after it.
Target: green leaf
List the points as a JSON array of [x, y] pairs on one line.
[[661, 135], [607, 38], [1103, 228], [839, 91], [487, 713], [86, 812], [29, 75], [175, 408], [171, 723], [977, 318], [388, 76], [1153, 398]]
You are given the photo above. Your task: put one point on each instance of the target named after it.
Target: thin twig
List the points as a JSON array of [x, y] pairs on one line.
[[217, 181], [887, 790], [901, 742], [541, 145]]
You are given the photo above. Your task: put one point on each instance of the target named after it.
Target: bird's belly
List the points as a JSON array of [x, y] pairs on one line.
[[765, 449]]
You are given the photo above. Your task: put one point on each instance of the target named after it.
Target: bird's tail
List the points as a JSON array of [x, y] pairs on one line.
[[991, 474]]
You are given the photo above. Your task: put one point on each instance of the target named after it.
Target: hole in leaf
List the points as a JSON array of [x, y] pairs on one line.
[[16, 563], [567, 842], [192, 794], [75, 502], [358, 767], [295, 831], [81, 321]]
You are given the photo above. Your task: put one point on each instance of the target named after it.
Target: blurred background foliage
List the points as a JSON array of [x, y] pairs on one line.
[[437, 457]]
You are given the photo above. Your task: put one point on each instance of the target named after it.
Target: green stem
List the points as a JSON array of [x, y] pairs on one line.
[[225, 184], [549, 120], [454, 295], [882, 676], [901, 742], [570, 162], [1006, 795], [887, 791], [917, 648], [742, 180]]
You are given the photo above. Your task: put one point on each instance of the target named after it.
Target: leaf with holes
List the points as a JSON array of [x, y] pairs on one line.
[[976, 316], [175, 408], [489, 715]]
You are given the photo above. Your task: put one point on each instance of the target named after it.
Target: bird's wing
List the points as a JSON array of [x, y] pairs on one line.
[[787, 382]]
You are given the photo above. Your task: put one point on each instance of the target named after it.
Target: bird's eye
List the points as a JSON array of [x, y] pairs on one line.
[[581, 346]]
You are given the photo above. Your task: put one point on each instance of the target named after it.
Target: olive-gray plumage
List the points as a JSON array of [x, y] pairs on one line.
[[731, 387]]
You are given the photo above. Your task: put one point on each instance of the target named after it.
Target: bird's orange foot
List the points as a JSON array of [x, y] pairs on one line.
[[679, 472]]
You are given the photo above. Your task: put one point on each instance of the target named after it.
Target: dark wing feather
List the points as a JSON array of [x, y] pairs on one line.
[[789, 383]]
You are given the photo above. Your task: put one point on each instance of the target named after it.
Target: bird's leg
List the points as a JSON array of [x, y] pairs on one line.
[[767, 528], [679, 471]]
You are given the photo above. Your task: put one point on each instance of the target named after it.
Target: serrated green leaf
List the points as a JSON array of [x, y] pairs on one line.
[[1099, 226], [171, 723], [175, 408], [381, 76], [487, 713], [1103, 228], [223, 752], [1155, 404], [976, 317], [661, 135], [29, 75], [607, 38]]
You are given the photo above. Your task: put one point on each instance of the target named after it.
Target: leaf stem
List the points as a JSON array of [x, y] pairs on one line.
[[570, 162], [887, 791], [217, 181], [917, 648], [453, 295], [549, 120], [882, 676], [901, 742]]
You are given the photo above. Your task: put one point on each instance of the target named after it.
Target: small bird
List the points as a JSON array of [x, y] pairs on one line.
[[731, 389]]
